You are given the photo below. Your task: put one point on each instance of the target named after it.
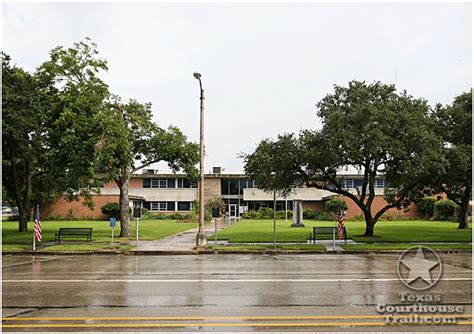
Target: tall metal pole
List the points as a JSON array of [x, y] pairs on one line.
[[201, 238], [274, 220]]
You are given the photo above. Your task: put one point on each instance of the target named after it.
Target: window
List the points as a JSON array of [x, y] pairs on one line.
[[146, 183], [347, 183], [184, 183], [171, 183], [184, 206], [379, 183], [154, 183], [162, 206], [225, 187], [234, 187], [162, 183], [170, 206]]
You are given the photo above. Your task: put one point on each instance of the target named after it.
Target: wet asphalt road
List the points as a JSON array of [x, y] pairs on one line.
[[218, 292]]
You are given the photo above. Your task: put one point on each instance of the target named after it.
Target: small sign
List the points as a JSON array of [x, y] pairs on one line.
[[215, 212], [112, 221], [137, 212]]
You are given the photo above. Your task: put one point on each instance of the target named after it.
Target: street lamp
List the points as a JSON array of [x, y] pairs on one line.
[[201, 237]]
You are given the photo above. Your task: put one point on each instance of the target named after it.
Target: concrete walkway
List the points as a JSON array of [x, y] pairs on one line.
[[183, 241]]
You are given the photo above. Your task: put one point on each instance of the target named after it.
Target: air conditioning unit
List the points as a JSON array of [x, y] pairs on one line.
[[217, 170]]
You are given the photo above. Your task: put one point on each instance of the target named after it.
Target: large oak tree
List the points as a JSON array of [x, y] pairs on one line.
[[129, 140], [454, 125], [367, 128]]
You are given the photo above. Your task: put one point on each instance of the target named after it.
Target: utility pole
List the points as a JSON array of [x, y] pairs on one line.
[[201, 237]]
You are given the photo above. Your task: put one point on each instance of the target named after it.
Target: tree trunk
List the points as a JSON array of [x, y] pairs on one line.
[[23, 220], [369, 225], [125, 229], [463, 208]]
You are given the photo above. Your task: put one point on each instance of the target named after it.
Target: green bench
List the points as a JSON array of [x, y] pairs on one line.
[[68, 232], [332, 231]]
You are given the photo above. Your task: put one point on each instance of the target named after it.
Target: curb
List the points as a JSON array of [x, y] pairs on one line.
[[210, 251]]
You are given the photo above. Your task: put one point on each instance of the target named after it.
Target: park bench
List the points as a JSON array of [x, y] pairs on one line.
[[332, 231], [73, 233]]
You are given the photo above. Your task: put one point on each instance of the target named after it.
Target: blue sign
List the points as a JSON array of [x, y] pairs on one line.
[[112, 221]]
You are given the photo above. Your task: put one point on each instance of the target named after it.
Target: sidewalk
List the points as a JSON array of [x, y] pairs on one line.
[[183, 241]]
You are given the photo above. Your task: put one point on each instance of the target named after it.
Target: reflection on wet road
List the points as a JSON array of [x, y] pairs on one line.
[[218, 292]]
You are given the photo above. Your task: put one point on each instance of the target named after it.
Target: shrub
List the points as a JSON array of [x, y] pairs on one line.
[[444, 209], [266, 213], [335, 204], [358, 218], [426, 205], [70, 214], [281, 214], [322, 215], [160, 216], [308, 214], [189, 216], [252, 214], [175, 216], [111, 210]]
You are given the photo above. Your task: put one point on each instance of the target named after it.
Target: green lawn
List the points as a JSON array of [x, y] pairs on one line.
[[385, 231], [148, 230], [396, 246], [269, 247]]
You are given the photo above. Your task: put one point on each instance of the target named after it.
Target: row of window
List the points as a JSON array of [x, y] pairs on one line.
[[353, 183], [236, 186], [168, 206], [167, 183]]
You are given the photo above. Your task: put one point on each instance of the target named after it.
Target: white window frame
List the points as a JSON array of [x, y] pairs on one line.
[[154, 206], [379, 183], [162, 183], [162, 206]]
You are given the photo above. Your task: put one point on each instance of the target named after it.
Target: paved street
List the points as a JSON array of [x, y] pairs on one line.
[[327, 292]]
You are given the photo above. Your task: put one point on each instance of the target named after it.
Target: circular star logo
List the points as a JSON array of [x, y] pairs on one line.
[[419, 268]]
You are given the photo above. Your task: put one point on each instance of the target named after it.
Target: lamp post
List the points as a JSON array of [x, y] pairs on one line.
[[201, 238]]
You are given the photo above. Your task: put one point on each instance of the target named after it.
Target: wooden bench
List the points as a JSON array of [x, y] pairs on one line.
[[67, 232], [332, 231]]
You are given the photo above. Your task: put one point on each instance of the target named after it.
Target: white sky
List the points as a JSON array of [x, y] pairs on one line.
[[264, 66]]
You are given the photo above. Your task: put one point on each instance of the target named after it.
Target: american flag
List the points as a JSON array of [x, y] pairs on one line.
[[340, 224], [37, 227]]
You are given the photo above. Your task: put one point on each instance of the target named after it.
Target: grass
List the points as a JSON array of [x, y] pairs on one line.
[[269, 247], [385, 231], [394, 246], [15, 248], [12, 240], [85, 247]]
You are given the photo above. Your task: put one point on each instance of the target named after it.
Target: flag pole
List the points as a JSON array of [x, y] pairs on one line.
[[34, 236]]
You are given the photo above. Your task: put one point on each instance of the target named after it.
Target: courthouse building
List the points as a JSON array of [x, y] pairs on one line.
[[173, 193]]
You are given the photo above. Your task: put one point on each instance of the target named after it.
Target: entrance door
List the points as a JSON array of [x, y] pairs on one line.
[[233, 212]]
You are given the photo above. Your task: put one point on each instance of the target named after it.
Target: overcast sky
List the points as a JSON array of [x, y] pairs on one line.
[[264, 66]]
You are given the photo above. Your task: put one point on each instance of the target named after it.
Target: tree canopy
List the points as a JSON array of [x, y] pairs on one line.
[[367, 128], [129, 140], [454, 125]]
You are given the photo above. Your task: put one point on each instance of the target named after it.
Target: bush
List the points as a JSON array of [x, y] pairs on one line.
[[111, 210], [252, 214], [322, 215], [160, 216], [444, 209], [426, 205], [335, 204], [266, 213], [175, 216], [189, 216], [308, 214], [281, 214]]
